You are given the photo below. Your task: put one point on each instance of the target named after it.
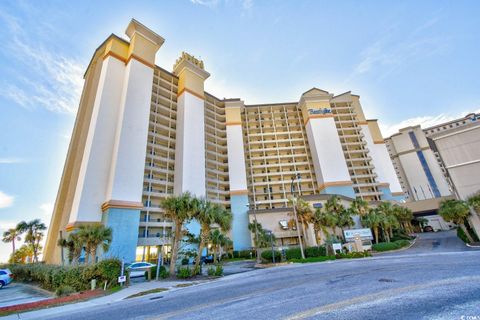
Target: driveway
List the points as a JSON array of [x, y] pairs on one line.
[[18, 293], [435, 242], [238, 267]]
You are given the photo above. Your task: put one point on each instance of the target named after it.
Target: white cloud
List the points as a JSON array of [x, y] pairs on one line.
[[11, 160], [207, 3], [54, 81], [423, 121], [388, 53], [6, 200]]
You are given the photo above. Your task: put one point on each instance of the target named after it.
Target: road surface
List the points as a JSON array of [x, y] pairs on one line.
[[17, 293], [428, 281]]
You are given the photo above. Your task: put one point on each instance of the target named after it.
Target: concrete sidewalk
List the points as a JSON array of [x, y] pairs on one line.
[[135, 288]]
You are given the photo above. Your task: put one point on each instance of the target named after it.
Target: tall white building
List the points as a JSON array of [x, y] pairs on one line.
[[143, 133]]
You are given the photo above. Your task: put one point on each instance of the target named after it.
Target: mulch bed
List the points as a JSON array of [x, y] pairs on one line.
[[52, 302]]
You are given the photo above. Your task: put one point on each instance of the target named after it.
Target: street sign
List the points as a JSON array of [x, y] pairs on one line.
[[122, 279], [362, 234]]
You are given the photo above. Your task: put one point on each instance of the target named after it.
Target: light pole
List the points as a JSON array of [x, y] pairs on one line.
[[256, 232], [294, 199]]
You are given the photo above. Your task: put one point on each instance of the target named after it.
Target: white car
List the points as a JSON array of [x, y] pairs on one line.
[[5, 277], [138, 269]]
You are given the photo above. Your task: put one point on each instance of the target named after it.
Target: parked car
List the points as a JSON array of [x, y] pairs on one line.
[[137, 269], [207, 259], [5, 277], [428, 229]]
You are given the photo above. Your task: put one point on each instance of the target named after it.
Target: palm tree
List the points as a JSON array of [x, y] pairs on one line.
[[373, 219], [263, 236], [11, 235], [93, 236], [456, 211], [218, 240], [325, 219], [474, 202], [74, 245], [208, 214], [359, 207], [179, 209], [304, 214], [34, 234], [345, 220], [404, 217], [334, 206], [23, 253]]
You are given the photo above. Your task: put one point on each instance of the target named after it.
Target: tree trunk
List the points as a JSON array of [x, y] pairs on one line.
[[94, 255], [375, 231], [13, 246], [87, 255], [215, 254], [304, 232], [469, 237], [201, 246], [391, 232], [175, 242]]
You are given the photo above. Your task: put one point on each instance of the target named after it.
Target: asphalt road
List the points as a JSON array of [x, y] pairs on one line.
[[428, 281]]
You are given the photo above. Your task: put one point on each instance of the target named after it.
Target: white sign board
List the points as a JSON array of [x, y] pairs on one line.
[[363, 234], [122, 279], [337, 246]]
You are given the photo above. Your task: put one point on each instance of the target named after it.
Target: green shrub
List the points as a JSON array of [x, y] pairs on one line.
[[461, 235], [52, 277], [400, 235], [293, 253], [64, 291], [267, 255], [219, 270], [211, 271], [313, 259], [245, 254], [184, 273], [353, 255], [315, 252], [163, 273], [387, 246]]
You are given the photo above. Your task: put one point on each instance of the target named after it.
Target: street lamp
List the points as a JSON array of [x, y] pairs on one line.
[[256, 233], [270, 232], [294, 199]]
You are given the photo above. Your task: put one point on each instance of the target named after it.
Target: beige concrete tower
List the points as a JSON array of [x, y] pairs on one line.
[[190, 144], [102, 182]]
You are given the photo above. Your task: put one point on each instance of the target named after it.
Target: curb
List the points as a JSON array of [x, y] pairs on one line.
[[472, 246]]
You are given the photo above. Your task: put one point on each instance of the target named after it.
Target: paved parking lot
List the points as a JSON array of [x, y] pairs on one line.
[[17, 293]]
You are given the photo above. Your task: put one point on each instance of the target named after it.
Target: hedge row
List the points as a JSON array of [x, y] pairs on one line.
[[244, 254], [52, 277], [310, 252], [387, 246]]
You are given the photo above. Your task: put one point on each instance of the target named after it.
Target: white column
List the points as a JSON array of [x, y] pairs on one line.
[[190, 145], [96, 160]]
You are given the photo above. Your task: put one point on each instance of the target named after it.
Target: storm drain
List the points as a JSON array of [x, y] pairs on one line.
[[386, 280], [156, 298]]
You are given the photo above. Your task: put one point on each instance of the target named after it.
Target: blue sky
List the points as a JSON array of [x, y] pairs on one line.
[[410, 61]]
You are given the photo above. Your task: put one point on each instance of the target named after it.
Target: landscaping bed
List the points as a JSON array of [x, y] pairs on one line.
[[77, 297], [388, 246]]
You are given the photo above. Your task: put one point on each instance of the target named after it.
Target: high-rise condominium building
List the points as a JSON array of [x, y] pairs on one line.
[[439, 161], [143, 133]]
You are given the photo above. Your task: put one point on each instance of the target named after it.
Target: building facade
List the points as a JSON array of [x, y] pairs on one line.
[[449, 155], [143, 133]]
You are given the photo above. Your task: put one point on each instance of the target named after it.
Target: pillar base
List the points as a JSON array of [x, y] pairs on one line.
[[240, 233], [124, 223]]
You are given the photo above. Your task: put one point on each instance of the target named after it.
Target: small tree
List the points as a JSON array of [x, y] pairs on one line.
[[93, 236], [359, 207], [179, 209], [373, 219], [21, 255], [11, 235], [456, 211], [474, 202], [263, 236], [208, 215], [74, 246], [34, 234]]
